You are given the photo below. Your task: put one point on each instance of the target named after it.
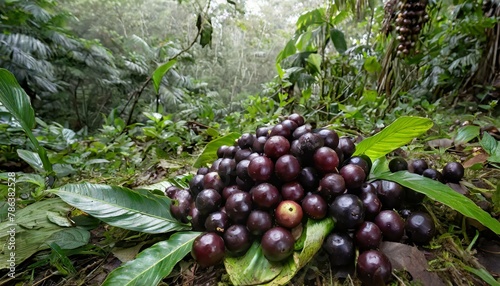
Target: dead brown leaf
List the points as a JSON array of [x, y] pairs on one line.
[[411, 259], [440, 143], [479, 158]]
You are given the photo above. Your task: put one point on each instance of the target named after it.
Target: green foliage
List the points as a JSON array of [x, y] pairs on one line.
[[16, 101], [154, 263], [253, 268], [399, 133], [122, 207], [442, 193]]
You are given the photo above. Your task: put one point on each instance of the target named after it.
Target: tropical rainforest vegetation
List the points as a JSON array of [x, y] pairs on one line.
[[104, 105]]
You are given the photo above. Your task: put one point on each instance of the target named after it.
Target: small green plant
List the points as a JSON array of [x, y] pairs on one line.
[[17, 102]]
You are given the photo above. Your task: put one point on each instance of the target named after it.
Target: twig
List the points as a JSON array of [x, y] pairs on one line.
[[138, 93]]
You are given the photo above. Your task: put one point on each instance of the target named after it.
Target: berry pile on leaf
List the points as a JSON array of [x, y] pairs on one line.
[[289, 190]]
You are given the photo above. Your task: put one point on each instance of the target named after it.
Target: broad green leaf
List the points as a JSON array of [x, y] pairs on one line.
[[70, 238], [315, 62], [289, 50], [399, 133], [17, 102], [32, 158], [466, 133], [338, 40], [379, 166], [32, 229], [252, 268], [154, 263], [122, 207], [160, 72], [316, 232], [206, 32], [209, 154], [371, 64], [492, 147], [311, 18], [483, 274], [443, 194]]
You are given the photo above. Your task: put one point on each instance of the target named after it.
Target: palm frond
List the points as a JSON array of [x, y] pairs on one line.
[[137, 68], [27, 44], [146, 48], [62, 40], [38, 13]]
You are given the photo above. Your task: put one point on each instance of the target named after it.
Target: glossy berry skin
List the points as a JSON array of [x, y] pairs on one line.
[[287, 168], [433, 174], [420, 228], [288, 214], [246, 140], [208, 249], [208, 201], [292, 191], [360, 161], [299, 119], [418, 166], [391, 194], [354, 176], [217, 222], [346, 146], [277, 244], [237, 239], [391, 225], [330, 137], [258, 222], [453, 172], [372, 205], [347, 211], [368, 236], [260, 168], [326, 160], [309, 178], [373, 268], [398, 164], [331, 186], [265, 196], [276, 146], [340, 248], [314, 206], [238, 207]]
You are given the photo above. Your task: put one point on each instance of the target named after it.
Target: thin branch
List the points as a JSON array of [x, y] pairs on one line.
[[138, 93]]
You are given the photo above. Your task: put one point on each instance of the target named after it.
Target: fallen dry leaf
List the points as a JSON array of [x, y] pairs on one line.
[[479, 158], [488, 254], [440, 143], [409, 258]]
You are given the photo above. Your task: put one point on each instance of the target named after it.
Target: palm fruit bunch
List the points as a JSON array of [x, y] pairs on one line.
[[410, 20], [267, 184]]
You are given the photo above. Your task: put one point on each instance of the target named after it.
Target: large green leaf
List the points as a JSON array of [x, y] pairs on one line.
[[316, 231], [160, 72], [399, 133], [32, 228], [209, 154], [443, 194], [17, 102], [466, 133], [254, 269], [122, 207], [32, 158], [338, 40], [154, 263]]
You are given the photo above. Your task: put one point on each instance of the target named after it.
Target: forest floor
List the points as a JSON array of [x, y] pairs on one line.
[[462, 253]]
